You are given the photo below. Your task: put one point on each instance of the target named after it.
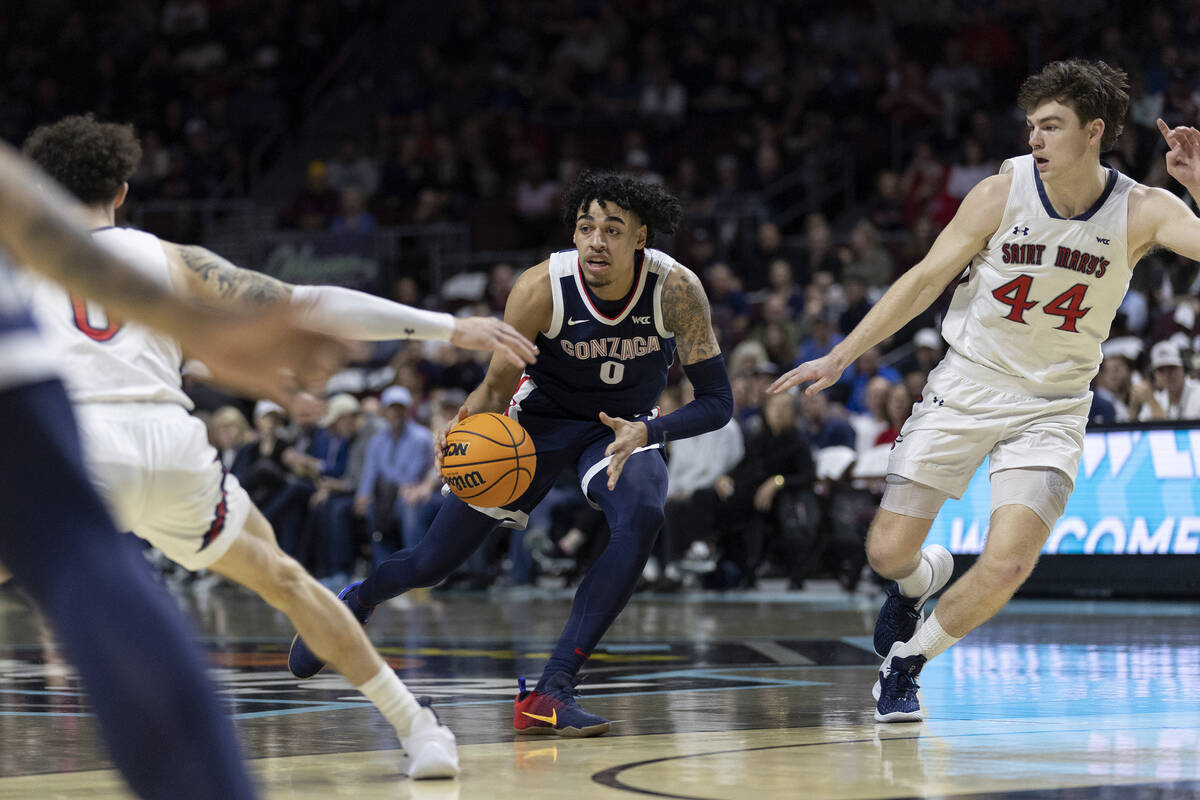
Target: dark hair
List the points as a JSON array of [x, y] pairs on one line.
[[1092, 89], [657, 209], [91, 159]]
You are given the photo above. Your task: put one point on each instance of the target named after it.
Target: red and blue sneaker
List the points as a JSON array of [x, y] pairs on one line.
[[554, 710], [303, 662]]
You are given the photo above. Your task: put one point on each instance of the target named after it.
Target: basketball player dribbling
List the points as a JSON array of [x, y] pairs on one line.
[[1051, 242], [152, 461], [157, 711], [608, 317]]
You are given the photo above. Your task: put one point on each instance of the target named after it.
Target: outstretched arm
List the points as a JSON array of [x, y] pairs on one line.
[[976, 220], [686, 313], [338, 311], [42, 228], [1158, 217]]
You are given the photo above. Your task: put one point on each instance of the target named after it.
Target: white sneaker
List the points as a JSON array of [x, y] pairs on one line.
[[431, 746]]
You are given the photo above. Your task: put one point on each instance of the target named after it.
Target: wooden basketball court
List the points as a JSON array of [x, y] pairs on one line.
[[711, 696]]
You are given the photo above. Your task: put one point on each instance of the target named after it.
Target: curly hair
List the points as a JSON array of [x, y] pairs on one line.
[[91, 159], [658, 209], [1092, 89]]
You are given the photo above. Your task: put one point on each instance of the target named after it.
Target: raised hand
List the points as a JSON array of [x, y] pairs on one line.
[[1183, 159], [629, 436], [823, 372], [488, 333]]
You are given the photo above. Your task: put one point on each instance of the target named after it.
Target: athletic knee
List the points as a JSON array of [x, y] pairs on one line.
[[1005, 572], [888, 558]]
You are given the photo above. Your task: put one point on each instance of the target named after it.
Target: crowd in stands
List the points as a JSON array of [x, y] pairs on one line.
[[203, 81], [818, 147]]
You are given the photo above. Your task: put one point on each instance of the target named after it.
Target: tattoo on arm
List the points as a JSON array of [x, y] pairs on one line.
[[226, 282], [686, 313], [66, 253]]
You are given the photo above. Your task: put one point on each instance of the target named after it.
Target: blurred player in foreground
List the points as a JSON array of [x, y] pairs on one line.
[[152, 461], [157, 711]]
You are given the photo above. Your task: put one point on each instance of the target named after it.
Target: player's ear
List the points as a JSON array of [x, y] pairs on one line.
[[641, 237], [1096, 130], [122, 193]]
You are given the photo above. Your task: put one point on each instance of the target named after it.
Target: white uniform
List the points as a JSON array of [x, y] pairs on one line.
[[147, 455], [1024, 331]]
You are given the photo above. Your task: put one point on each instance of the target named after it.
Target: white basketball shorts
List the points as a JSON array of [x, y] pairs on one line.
[[960, 420], [153, 465]]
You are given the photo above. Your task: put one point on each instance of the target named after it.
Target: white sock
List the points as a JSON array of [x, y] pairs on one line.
[[393, 699], [918, 581], [929, 641]]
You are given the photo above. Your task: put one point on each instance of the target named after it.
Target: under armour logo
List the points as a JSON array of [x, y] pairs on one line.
[[641, 320], [1023, 231], [409, 331], [1102, 241], [937, 401]]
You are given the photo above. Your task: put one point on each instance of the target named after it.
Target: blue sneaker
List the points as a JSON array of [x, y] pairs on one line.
[[554, 710], [896, 690], [900, 616], [304, 663]]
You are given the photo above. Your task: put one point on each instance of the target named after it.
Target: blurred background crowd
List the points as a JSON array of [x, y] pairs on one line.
[[419, 151]]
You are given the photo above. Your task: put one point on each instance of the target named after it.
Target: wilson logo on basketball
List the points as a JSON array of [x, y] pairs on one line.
[[469, 480], [489, 460]]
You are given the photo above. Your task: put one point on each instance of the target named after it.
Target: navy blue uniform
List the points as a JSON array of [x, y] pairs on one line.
[[157, 711], [590, 362], [594, 356]]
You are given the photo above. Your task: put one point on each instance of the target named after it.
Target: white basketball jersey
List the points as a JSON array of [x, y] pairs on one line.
[[1041, 296], [107, 360]]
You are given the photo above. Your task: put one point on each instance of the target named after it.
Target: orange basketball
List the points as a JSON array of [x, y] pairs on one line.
[[489, 460]]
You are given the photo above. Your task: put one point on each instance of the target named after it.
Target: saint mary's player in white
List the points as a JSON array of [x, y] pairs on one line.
[[1050, 243]]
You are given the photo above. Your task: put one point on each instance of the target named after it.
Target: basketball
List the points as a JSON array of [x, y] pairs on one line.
[[489, 460]]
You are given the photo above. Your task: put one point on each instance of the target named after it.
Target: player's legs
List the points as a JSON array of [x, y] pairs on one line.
[[455, 533], [1026, 503], [1016, 535], [894, 543], [894, 551], [256, 561], [634, 510], [157, 711]]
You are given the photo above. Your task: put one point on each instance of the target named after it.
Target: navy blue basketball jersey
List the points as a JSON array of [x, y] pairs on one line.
[[590, 362], [24, 356]]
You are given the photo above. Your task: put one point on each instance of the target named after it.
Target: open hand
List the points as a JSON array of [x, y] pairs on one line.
[[823, 372], [489, 333], [629, 436]]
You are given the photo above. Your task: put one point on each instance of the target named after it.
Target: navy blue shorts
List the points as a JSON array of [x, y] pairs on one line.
[[560, 444]]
